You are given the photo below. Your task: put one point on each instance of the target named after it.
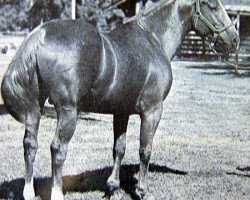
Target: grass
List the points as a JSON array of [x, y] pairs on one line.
[[200, 148]]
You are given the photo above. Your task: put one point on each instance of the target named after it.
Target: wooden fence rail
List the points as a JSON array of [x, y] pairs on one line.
[[195, 47]]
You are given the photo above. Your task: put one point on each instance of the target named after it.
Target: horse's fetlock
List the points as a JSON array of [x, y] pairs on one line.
[[30, 143], [145, 153], [54, 147], [113, 184], [60, 158], [120, 150], [140, 192]]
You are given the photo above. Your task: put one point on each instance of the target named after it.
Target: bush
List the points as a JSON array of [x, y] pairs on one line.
[[13, 15], [101, 14], [17, 15]]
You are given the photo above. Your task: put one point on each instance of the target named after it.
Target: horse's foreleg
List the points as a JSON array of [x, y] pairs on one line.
[[120, 127], [30, 148], [149, 123], [66, 125]]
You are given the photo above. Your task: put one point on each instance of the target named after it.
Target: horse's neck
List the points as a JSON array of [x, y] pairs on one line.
[[169, 27]]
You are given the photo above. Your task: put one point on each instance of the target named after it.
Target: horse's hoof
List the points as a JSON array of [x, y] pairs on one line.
[[144, 195], [28, 192], [149, 196], [56, 194], [119, 195]]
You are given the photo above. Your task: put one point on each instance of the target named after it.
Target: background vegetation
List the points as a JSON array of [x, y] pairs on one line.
[[17, 15]]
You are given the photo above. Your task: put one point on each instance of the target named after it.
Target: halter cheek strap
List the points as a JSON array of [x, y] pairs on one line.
[[203, 19]]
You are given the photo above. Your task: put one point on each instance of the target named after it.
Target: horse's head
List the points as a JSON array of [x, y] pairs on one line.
[[210, 19]]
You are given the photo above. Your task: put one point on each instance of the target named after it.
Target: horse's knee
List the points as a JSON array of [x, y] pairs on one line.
[[30, 146], [58, 151]]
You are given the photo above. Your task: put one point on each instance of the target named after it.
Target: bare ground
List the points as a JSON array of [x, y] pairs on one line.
[[201, 148]]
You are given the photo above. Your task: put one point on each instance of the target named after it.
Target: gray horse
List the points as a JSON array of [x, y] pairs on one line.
[[124, 72]]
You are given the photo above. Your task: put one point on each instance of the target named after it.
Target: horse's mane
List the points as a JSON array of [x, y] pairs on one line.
[[156, 7]]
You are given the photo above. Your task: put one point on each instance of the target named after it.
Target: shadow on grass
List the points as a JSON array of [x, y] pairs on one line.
[[238, 174], [242, 169], [85, 182], [3, 110], [208, 66], [245, 168], [229, 71], [50, 112]]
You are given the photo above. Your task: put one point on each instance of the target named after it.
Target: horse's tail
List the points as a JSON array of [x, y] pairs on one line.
[[20, 90]]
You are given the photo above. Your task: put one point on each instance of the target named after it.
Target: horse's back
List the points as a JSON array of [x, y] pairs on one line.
[[68, 32]]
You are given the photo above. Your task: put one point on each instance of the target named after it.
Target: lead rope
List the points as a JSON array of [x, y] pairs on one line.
[[217, 32], [236, 68]]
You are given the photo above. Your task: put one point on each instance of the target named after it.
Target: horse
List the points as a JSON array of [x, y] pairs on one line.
[[126, 71]]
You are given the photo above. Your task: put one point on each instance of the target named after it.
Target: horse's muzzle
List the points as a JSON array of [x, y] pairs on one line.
[[235, 42], [230, 39]]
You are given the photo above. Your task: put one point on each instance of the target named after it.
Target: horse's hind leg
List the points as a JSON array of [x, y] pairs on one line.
[[30, 148], [67, 117], [120, 127], [149, 123]]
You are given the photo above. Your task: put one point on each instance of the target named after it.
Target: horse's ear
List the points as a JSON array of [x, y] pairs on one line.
[[211, 3], [184, 10]]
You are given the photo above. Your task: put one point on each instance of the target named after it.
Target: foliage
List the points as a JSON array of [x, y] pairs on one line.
[[17, 15], [101, 13], [13, 15]]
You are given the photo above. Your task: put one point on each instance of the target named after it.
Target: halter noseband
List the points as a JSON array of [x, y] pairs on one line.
[[216, 31]]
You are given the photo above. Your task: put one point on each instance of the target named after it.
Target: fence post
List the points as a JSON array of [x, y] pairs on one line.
[[73, 9], [238, 30], [204, 47]]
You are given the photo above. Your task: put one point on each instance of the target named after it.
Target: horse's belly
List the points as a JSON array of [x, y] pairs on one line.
[[112, 104]]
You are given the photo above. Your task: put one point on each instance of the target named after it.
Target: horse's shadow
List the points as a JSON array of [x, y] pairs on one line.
[[3, 110], [229, 70], [85, 182]]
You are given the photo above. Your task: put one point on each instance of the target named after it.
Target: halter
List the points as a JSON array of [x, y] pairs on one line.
[[216, 32], [199, 16]]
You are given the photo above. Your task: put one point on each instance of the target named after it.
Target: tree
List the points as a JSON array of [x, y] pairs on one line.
[[18, 15], [44, 10], [13, 15], [101, 13]]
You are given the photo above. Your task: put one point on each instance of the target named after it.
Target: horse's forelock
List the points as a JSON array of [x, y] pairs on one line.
[[159, 5], [211, 3]]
